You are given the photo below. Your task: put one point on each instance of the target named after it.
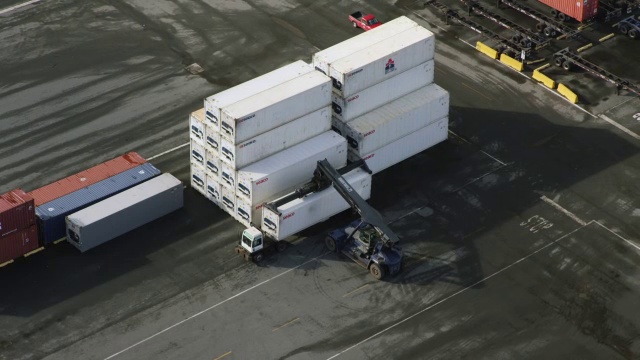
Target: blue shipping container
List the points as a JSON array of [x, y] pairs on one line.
[[51, 215]]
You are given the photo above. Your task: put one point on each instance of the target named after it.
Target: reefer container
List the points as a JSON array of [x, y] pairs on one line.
[[267, 110], [228, 202], [18, 243], [196, 126], [213, 189], [51, 225], [212, 165], [124, 212], [397, 119], [85, 178], [337, 125], [265, 179], [247, 214], [249, 151], [579, 10], [312, 209], [198, 178], [17, 212], [212, 140], [324, 58], [197, 153], [227, 176], [371, 98], [214, 103], [382, 61], [405, 147]]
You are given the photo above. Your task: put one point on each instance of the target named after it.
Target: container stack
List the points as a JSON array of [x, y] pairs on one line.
[[18, 231], [384, 101], [270, 132]]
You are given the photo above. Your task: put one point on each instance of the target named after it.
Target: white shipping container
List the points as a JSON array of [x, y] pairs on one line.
[[227, 176], [198, 178], [214, 103], [397, 119], [324, 58], [267, 110], [228, 202], [382, 61], [371, 98], [245, 213], [212, 140], [405, 147], [212, 163], [123, 212], [282, 172], [300, 214], [213, 189], [197, 153], [196, 126], [242, 154], [337, 125]]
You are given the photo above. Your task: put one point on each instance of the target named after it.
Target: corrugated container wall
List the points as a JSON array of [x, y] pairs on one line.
[[324, 58], [579, 10], [17, 211], [265, 111], [382, 61], [294, 132], [18, 243], [300, 214], [372, 98], [126, 211], [405, 147], [214, 103], [87, 177], [265, 179], [51, 223], [397, 119]]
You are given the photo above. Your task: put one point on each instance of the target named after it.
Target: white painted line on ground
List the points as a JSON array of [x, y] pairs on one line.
[[614, 123], [452, 296], [213, 306], [622, 103], [563, 210], [482, 151], [15, 7], [614, 233], [168, 151]]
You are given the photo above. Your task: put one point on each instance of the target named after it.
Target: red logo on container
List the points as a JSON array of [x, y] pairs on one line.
[[369, 133], [369, 156], [288, 216], [353, 98], [389, 66], [258, 207], [262, 181]]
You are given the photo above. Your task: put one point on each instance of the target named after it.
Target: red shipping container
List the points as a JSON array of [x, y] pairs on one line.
[[18, 243], [87, 177], [17, 211], [580, 10]]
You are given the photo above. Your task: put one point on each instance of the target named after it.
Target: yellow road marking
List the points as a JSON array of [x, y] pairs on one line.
[[223, 355], [285, 324], [479, 92], [352, 291]]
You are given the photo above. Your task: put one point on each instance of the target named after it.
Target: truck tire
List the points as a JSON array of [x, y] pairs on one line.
[[540, 27], [633, 33], [377, 271], [558, 61], [353, 23], [624, 29], [562, 17], [330, 243], [549, 32], [258, 257], [281, 245], [567, 65], [554, 13]]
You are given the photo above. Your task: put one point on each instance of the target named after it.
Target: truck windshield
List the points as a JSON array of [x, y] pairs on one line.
[[373, 21], [246, 240]]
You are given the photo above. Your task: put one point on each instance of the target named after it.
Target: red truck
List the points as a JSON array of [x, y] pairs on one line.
[[365, 22]]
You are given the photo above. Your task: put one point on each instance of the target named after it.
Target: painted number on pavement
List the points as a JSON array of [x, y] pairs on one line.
[[536, 223], [637, 116]]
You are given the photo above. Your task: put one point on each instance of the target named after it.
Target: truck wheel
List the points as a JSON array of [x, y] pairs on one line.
[[258, 257], [567, 65], [562, 17], [554, 13], [549, 32], [624, 29], [377, 271], [330, 243], [281, 245], [354, 24], [633, 33], [558, 61], [540, 27]]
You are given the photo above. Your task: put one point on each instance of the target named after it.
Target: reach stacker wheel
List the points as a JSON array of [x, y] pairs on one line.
[[330, 243], [377, 271]]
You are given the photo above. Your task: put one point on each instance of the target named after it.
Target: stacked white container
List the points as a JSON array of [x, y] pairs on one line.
[[263, 138], [384, 92]]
